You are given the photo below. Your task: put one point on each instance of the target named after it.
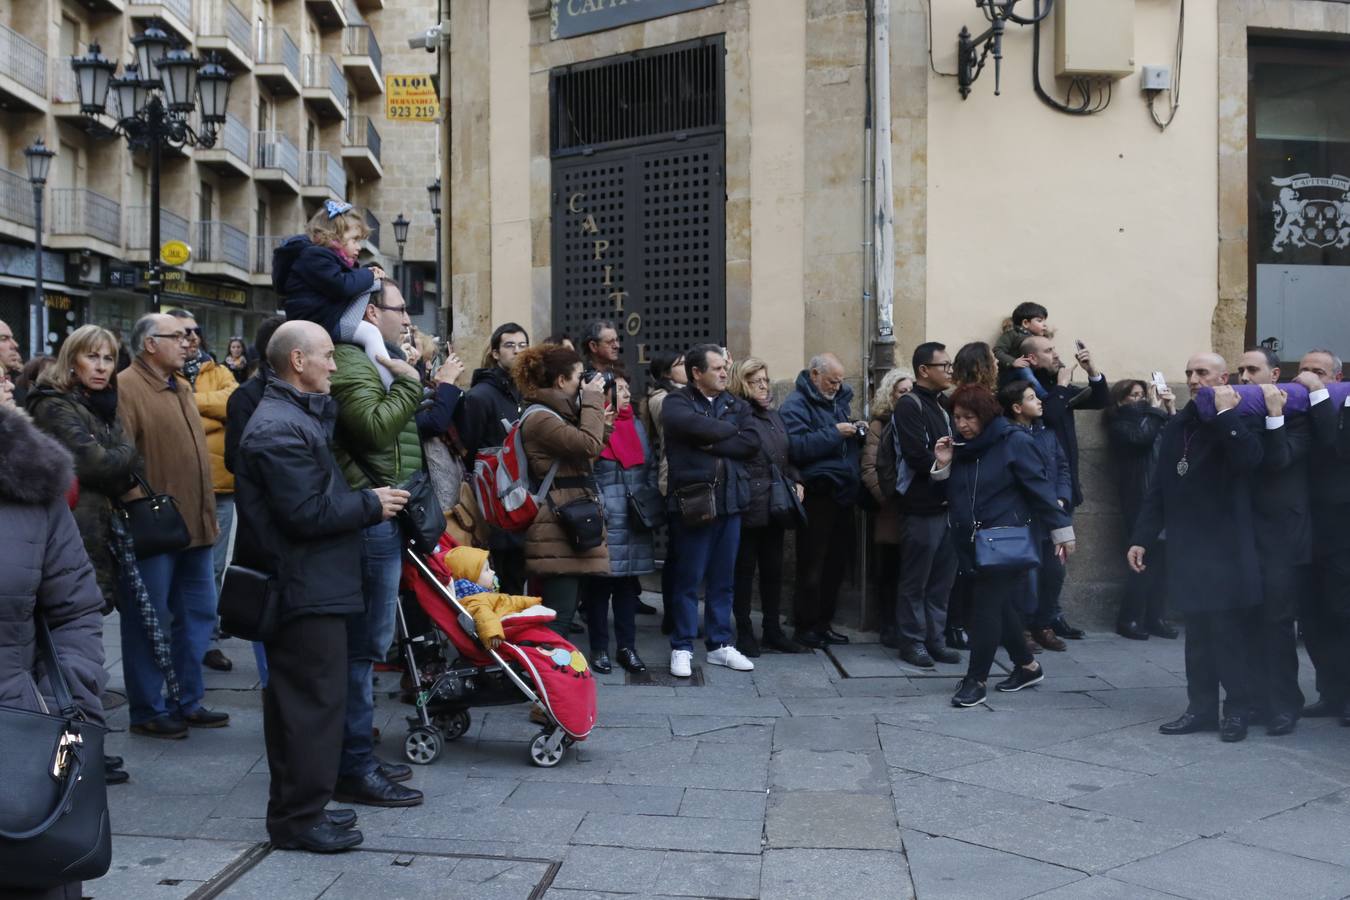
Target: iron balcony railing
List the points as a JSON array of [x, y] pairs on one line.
[[180, 8], [64, 89], [263, 245], [323, 169], [275, 47], [82, 212], [275, 151], [359, 40], [221, 18], [221, 242], [172, 227], [361, 132], [234, 138], [16, 198], [374, 225], [23, 60], [352, 13], [322, 71]]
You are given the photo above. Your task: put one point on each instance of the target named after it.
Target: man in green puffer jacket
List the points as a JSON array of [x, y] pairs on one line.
[[378, 429]]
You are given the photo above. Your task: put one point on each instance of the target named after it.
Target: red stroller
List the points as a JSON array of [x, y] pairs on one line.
[[451, 670]]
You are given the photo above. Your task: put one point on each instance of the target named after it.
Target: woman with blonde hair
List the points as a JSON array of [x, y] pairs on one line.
[[762, 533], [886, 510]]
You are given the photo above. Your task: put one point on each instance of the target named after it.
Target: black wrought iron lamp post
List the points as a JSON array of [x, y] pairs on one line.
[[39, 158], [401, 236], [152, 110], [434, 193]]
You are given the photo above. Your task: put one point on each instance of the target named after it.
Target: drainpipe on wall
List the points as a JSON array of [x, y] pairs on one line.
[[883, 198], [443, 271], [865, 350]]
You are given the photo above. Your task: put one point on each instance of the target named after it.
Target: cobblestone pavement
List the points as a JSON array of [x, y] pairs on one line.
[[843, 775]]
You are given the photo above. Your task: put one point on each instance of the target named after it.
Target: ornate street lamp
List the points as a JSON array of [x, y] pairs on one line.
[[434, 193], [401, 236], [39, 158]]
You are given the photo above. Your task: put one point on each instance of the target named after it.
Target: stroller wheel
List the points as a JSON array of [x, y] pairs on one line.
[[452, 725], [543, 751], [422, 746]]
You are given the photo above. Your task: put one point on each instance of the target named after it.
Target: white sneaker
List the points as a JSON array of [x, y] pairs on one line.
[[730, 657], [681, 663]]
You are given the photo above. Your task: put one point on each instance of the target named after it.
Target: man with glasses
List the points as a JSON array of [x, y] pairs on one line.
[[377, 446], [159, 414], [824, 444], [927, 556], [601, 347]]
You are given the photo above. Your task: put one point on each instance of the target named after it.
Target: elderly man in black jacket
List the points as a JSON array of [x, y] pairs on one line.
[[1201, 493], [301, 524], [825, 445], [708, 435]]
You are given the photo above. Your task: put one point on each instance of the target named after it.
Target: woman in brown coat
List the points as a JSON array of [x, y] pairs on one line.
[[574, 436], [886, 519]]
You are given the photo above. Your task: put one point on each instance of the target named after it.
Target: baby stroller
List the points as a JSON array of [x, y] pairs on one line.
[[452, 671]]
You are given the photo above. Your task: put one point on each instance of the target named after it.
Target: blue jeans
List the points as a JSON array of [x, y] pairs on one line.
[[220, 553], [183, 592], [706, 553], [369, 635]]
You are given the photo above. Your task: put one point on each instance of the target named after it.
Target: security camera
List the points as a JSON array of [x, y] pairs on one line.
[[429, 40]]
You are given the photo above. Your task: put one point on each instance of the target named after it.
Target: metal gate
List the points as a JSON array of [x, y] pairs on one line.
[[639, 217]]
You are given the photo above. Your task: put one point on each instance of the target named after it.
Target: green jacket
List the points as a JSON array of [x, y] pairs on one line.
[[377, 427]]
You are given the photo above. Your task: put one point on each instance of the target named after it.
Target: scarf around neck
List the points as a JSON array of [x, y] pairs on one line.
[[624, 447]]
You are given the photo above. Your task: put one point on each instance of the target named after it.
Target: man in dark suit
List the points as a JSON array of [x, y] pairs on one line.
[[1201, 495], [1284, 540], [1325, 613]]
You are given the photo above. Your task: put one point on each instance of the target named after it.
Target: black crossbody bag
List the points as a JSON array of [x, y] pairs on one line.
[[422, 519]]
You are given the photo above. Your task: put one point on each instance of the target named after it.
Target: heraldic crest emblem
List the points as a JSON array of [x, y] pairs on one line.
[[1312, 212]]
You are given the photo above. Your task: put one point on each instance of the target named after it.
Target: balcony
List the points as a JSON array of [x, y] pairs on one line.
[[361, 147], [136, 230], [230, 155], [263, 245], [23, 73], [328, 13], [362, 61], [221, 249], [324, 87], [277, 62], [65, 96], [78, 216], [324, 177], [175, 14], [374, 237], [225, 29], [276, 162], [16, 206]]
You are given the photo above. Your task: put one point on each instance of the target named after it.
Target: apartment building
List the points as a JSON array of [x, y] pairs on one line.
[[305, 124]]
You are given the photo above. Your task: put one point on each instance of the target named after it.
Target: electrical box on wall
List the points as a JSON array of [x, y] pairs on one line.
[[1094, 38]]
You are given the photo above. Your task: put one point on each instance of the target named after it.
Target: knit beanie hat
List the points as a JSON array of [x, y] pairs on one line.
[[466, 562]]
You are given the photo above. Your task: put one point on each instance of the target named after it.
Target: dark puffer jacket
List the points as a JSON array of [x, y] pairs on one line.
[[491, 399], [773, 451], [314, 283], [819, 450], [708, 442], [45, 571], [630, 545], [377, 426], [105, 460]]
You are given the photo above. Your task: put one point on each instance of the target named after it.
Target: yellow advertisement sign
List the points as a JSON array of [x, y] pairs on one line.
[[410, 98], [174, 253]]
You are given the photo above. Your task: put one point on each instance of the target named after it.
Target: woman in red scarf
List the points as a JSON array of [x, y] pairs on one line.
[[625, 479]]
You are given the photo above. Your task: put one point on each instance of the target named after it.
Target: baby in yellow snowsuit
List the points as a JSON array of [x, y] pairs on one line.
[[475, 585]]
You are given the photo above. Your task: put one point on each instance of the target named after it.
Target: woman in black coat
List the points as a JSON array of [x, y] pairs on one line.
[[995, 477], [761, 536], [1134, 420]]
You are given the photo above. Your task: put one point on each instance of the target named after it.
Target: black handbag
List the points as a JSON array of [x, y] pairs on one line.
[[582, 520], [250, 603], [422, 519], [154, 522], [1001, 548], [785, 508], [646, 507], [697, 504], [53, 799]]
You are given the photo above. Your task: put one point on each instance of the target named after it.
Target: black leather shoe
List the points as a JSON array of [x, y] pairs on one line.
[[113, 762], [1061, 627], [916, 655], [1323, 709], [776, 640], [956, 639], [115, 775], [205, 718], [396, 772], [1188, 723], [746, 642], [375, 790], [342, 818], [1232, 729], [1281, 724], [170, 727], [1162, 629], [969, 692], [1131, 631], [323, 838], [944, 655], [214, 659], [833, 637], [646, 609], [600, 663], [631, 662], [812, 639]]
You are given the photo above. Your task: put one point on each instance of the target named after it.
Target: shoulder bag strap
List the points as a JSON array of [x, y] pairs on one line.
[[547, 484]]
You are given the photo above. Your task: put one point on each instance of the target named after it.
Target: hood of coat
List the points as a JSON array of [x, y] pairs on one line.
[[495, 376], [34, 468], [843, 399], [284, 257], [977, 446]]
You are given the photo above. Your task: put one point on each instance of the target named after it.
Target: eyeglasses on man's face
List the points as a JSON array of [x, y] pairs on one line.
[[179, 336], [514, 345], [401, 310]]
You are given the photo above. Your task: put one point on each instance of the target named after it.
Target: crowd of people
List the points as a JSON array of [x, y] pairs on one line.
[[291, 464]]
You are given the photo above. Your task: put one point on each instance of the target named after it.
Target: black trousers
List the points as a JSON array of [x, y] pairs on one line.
[[761, 549], [1217, 654], [927, 569], [993, 619], [304, 707], [509, 564], [1049, 585], [888, 585], [823, 548], [1273, 641], [1325, 613], [1145, 599], [624, 590], [668, 579]]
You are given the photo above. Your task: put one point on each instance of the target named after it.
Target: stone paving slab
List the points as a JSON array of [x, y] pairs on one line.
[[1039, 776], [834, 875], [944, 869], [162, 867], [669, 832], [1221, 870], [838, 820]]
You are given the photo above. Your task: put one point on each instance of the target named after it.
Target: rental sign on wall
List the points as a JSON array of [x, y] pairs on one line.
[[576, 17]]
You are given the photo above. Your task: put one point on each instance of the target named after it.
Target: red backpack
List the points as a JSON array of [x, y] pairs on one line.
[[501, 479]]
